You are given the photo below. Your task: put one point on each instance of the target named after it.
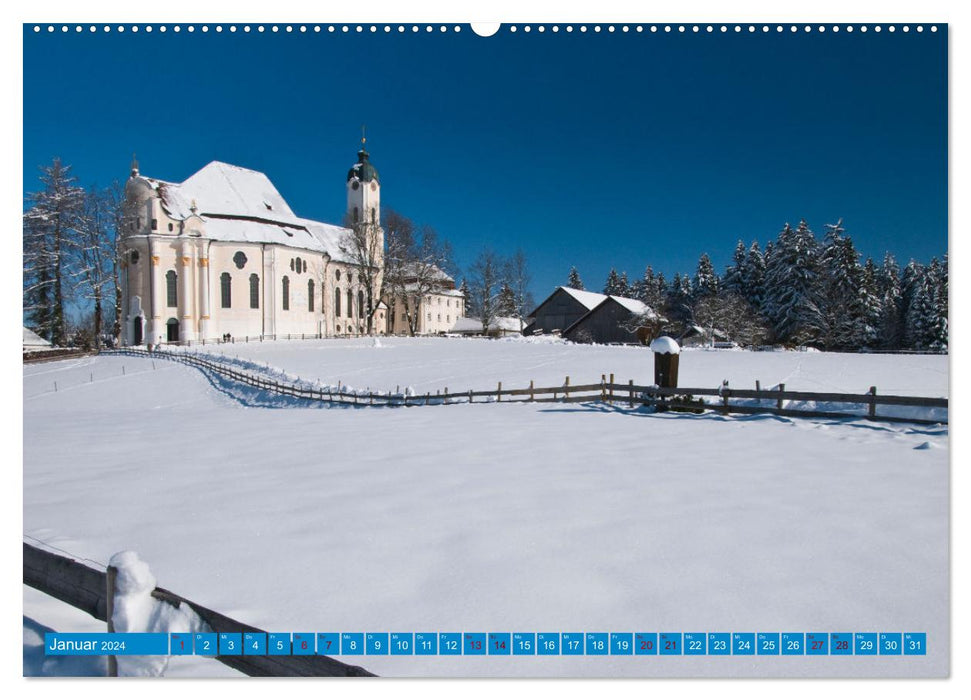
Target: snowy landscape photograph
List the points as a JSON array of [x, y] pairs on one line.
[[571, 351]]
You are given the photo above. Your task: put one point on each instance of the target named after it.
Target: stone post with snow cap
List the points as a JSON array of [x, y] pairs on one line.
[[666, 353]]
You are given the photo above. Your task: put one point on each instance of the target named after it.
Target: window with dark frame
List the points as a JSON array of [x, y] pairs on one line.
[[226, 290]]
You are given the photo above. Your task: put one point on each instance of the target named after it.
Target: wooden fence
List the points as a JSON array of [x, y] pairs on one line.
[[771, 401], [87, 589], [36, 356]]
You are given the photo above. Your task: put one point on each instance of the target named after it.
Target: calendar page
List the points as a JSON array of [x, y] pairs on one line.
[[523, 350]]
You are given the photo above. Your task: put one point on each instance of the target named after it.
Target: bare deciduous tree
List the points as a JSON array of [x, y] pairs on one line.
[[486, 282], [731, 314], [416, 265], [364, 247]]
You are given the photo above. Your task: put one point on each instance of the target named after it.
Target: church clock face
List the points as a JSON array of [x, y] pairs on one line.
[[374, 187], [354, 185]]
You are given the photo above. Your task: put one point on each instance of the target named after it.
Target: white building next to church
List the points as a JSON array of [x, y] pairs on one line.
[[222, 253], [434, 313]]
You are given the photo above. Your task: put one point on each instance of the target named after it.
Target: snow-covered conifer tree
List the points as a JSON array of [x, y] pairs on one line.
[[575, 282], [613, 286], [753, 277], [890, 320], [706, 281], [793, 286], [735, 273]]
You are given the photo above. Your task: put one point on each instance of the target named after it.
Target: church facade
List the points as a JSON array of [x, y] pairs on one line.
[[222, 253]]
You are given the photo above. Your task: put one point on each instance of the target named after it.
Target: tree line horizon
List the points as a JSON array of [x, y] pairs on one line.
[[800, 291], [797, 291]]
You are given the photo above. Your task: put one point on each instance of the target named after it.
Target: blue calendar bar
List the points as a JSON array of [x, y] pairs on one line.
[[328, 643], [841, 643], [669, 643], [768, 644], [695, 643], [500, 644], [106, 644], [254, 644], [719, 643], [180, 643], [450, 643], [645, 644], [915, 644], [402, 644], [805, 644], [524, 644], [548, 643], [621, 643], [426, 643]]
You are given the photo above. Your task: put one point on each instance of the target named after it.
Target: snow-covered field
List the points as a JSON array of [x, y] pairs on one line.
[[501, 517]]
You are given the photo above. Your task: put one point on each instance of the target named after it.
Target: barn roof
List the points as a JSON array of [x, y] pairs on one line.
[[634, 306]]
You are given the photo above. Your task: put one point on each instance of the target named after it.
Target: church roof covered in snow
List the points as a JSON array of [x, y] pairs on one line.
[[239, 204]]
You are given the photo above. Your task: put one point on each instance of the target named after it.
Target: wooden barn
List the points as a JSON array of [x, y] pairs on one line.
[[561, 309], [617, 320]]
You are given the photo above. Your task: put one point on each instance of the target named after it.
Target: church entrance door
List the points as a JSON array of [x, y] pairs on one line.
[[172, 330], [137, 331]]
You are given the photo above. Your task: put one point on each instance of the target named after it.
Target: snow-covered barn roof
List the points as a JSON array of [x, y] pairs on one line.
[[239, 204], [635, 306], [32, 340], [470, 324], [588, 299]]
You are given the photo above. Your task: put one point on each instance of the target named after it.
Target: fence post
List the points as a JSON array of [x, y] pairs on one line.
[[532, 395], [445, 399], [611, 390], [873, 402], [566, 392], [603, 387], [778, 403], [470, 396], [725, 393], [499, 393], [630, 401], [110, 575]]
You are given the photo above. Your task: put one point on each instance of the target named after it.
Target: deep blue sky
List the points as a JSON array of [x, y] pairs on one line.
[[594, 150]]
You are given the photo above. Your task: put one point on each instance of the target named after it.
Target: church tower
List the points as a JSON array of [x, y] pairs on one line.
[[363, 191]]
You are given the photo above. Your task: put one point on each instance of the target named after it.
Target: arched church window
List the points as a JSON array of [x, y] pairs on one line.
[[239, 260], [360, 303], [357, 215], [291, 264], [337, 303], [304, 265], [310, 295], [171, 288], [133, 257], [226, 290], [337, 273], [350, 304], [299, 264], [374, 216], [254, 291], [286, 293]]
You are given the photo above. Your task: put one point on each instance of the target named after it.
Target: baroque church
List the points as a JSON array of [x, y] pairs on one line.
[[223, 254]]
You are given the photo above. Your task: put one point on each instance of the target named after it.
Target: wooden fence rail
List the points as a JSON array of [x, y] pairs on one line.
[[85, 588], [605, 391]]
